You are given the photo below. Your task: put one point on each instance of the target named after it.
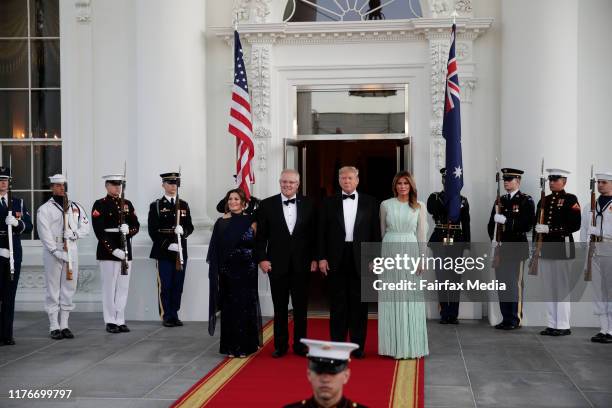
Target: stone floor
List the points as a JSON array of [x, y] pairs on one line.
[[471, 365]]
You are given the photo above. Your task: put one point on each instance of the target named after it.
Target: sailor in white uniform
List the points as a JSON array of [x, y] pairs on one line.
[[601, 262], [59, 231]]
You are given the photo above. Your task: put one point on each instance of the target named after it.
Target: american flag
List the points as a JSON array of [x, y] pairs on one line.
[[240, 124], [451, 130]]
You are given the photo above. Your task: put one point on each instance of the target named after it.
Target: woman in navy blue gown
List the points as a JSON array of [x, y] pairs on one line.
[[233, 279]]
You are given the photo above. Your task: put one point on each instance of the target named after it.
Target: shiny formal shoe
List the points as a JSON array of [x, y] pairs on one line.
[[608, 339], [453, 320], [300, 351], [511, 326], [358, 354], [124, 329], [500, 326], [443, 320], [598, 338], [9, 342], [178, 322], [547, 332], [562, 332], [112, 328], [278, 353], [67, 334], [168, 323], [55, 334]]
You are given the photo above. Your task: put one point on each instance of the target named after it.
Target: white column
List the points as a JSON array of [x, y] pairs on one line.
[[539, 87]]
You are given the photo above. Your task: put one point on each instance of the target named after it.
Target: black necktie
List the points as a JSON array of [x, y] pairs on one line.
[[290, 201], [351, 196], [172, 201], [3, 202], [508, 196]]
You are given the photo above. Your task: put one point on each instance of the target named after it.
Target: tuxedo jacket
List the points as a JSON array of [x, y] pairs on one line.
[[331, 232], [276, 244]]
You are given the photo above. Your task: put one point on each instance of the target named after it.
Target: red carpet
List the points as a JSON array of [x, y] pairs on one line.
[[261, 381]]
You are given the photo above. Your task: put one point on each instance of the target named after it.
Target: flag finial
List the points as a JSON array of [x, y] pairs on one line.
[[454, 14]]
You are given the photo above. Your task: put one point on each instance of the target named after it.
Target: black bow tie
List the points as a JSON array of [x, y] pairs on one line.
[[351, 196], [290, 201]]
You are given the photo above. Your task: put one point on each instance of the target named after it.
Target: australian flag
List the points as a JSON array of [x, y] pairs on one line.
[[451, 130]]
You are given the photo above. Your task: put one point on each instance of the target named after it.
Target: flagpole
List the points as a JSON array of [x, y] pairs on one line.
[[236, 155]]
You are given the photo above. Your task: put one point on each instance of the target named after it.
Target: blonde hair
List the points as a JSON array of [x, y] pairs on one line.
[[348, 169]]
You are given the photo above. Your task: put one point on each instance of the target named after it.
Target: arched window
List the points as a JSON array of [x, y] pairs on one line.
[[351, 10]]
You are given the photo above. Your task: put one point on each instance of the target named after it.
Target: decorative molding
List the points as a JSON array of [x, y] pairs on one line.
[[361, 31], [438, 51], [262, 133], [83, 11], [439, 153], [33, 277], [260, 82], [440, 8], [262, 139], [464, 8], [467, 86], [252, 11], [463, 51]]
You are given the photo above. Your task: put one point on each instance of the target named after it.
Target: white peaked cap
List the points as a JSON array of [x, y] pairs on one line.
[[606, 175], [332, 350], [57, 179], [558, 172], [113, 177]]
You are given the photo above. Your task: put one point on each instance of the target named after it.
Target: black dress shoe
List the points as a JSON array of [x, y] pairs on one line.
[[67, 334], [608, 339], [511, 326], [500, 326], [9, 342], [168, 323], [278, 353], [598, 338], [55, 335], [178, 322], [358, 354], [112, 328], [300, 351], [443, 320], [124, 329], [547, 332], [562, 332], [453, 320]]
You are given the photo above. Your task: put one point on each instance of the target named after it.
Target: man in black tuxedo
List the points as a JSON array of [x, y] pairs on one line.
[[285, 251], [347, 220]]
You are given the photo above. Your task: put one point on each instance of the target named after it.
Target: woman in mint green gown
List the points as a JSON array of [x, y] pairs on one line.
[[402, 328]]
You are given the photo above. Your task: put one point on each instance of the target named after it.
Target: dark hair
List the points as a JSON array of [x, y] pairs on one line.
[[412, 194], [241, 194]]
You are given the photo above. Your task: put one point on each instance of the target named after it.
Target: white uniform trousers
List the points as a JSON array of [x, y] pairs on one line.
[[602, 291], [59, 290], [114, 291], [556, 275]]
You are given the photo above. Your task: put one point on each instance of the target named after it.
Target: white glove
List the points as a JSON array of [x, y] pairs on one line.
[[5, 253], [61, 255], [178, 230], [542, 229], [71, 235], [594, 231], [118, 253], [173, 247], [11, 220], [124, 228], [499, 218]]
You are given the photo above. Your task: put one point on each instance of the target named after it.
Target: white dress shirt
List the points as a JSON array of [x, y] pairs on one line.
[[290, 212], [170, 198], [511, 194], [350, 212]]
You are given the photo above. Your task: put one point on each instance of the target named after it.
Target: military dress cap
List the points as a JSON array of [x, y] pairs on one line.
[[171, 178], [113, 178], [556, 173], [606, 175], [329, 357], [57, 179], [510, 173], [5, 173]]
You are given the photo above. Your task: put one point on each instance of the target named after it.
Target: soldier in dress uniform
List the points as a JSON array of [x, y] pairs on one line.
[[59, 232], [165, 232], [602, 257], [514, 220], [328, 372], [450, 239], [21, 223], [561, 219], [105, 215]]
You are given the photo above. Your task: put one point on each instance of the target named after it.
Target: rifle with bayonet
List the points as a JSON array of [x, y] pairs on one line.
[[9, 230], [179, 255], [535, 257], [67, 214], [123, 236], [498, 227], [588, 275]]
